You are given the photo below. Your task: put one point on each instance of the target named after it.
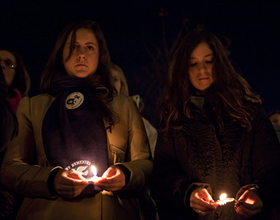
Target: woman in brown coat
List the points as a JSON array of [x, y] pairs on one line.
[[77, 124]]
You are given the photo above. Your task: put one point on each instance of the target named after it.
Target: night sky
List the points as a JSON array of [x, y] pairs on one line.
[[31, 28]]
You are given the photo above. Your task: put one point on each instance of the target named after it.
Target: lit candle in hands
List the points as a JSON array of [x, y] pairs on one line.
[[95, 178], [223, 199]]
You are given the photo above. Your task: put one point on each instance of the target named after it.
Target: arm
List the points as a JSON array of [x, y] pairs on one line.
[[264, 190], [25, 169], [171, 187], [138, 160], [266, 154], [9, 126], [129, 139]]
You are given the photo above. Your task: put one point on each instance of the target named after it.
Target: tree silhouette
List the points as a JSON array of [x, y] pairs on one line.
[[156, 69]]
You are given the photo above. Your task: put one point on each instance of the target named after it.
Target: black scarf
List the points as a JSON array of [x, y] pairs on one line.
[[73, 131]]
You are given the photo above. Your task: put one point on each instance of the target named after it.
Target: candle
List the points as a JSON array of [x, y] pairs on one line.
[[223, 199], [95, 178]]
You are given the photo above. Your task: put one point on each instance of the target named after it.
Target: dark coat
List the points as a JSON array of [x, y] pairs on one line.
[[8, 130], [197, 155], [8, 120]]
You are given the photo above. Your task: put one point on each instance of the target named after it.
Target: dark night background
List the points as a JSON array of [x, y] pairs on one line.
[[31, 28]]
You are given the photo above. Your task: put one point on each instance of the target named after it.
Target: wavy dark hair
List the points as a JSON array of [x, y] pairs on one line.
[[230, 89], [102, 76], [21, 80]]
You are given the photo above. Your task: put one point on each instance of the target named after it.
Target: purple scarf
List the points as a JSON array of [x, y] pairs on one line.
[[73, 131]]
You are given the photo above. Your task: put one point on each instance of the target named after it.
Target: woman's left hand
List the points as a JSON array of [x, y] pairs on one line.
[[249, 204], [113, 179]]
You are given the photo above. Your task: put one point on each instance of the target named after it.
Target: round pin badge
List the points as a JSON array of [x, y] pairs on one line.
[[74, 100]]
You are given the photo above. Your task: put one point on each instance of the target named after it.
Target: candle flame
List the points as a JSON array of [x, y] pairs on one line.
[[94, 171], [223, 196]]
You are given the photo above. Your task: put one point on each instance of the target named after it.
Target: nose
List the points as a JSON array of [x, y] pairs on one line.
[[3, 65], [82, 54], [202, 67]]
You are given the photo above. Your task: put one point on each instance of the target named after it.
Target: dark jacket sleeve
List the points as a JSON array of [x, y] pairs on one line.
[[266, 159], [170, 187], [8, 126]]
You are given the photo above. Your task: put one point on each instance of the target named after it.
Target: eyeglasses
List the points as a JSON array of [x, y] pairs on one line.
[[10, 64]]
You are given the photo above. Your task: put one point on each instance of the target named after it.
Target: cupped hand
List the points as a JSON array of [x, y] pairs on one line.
[[249, 204], [113, 179], [200, 201], [69, 184]]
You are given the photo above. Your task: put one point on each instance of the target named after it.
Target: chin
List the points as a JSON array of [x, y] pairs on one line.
[[82, 75]]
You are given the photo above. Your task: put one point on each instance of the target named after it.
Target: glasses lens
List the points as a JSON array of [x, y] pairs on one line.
[[9, 63]]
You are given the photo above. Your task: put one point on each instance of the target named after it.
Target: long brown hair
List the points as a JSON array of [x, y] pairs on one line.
[[230, 88], [102, 76]]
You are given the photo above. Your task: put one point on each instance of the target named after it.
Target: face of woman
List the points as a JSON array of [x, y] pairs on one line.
[[84, 59], [117, 80], [7, 62], [275, 119], [201, 64]]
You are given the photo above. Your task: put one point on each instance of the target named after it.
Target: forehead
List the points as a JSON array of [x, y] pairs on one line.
[[115, 73], [7, 55], [276, 115], [83, 35], [202, 49]]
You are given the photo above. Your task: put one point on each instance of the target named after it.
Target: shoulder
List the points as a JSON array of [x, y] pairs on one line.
[[124, 107], [37, 101], [39, 98], [122, 101]]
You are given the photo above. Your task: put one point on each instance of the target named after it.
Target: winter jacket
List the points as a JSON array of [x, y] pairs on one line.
[[230, 162], [26, 168], [8, 130], [8, 121]]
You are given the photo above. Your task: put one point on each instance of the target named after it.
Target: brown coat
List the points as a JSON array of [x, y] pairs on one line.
[[26, 169]]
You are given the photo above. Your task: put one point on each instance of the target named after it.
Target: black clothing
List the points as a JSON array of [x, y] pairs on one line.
[[8, 130], [199, 154], [8, 122]]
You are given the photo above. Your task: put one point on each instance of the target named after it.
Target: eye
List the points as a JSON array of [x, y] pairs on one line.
[[90, 48], [76, 47], [8, 63], [209, 61], [193, 64], [116, 79]]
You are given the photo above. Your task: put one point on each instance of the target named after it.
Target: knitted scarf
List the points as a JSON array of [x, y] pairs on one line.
[[73, 131]]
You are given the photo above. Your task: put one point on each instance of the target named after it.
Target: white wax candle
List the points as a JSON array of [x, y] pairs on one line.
[[224, 200], [95, 178]]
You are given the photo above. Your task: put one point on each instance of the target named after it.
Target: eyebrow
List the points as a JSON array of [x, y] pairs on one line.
[[85, 43], [7, 59], [208, 55]]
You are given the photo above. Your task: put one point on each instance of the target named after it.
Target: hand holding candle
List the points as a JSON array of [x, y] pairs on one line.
[[113, 179], [249, 204], [202, 202]]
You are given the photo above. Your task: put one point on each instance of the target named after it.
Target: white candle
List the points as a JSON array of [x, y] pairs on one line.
[[95, 178], [223, 199]]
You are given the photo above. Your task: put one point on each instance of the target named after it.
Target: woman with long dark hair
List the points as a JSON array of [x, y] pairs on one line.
[[82, 151], [214, 138]]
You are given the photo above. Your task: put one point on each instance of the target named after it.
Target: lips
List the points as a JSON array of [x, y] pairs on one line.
[[202, 78], [81, 64]]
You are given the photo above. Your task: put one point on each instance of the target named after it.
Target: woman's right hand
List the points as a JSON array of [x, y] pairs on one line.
[[69, 184], [200, 201]]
